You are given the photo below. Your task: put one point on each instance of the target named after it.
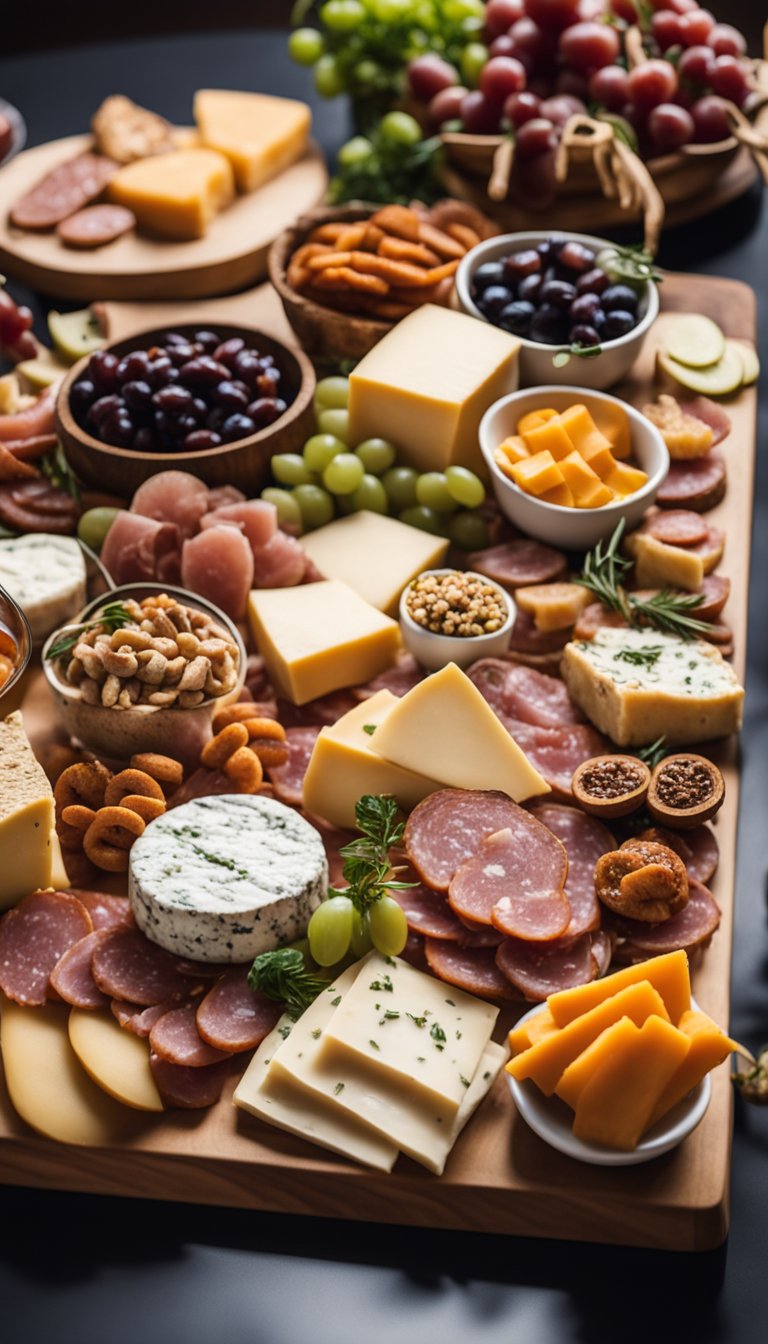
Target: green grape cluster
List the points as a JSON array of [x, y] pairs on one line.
[[331, 478]]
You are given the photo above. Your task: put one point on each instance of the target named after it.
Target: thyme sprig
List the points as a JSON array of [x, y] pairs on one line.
[[283, 976], [603, 574], [112, 617], [653, 753], [367, 867]]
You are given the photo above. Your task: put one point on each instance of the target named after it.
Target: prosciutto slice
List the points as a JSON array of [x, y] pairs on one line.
[[255, 518], [218, 564], [134, 546], [173, 497]]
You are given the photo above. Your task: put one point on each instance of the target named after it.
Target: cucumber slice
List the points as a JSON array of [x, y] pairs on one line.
[[694, 340], [75, 334], [40, 372], [718, 380], [748, 356]]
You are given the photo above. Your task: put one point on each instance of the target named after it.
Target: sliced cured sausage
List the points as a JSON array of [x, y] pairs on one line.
[[712, 414], [711, 549], [677, 527], [38, 506], [690, 928], [319, 713], [39, 418], [594, 618], [400, 678], [696, 483], [127, 966], [288, 779], [428, 912], [33, 937], [524, 694], [519, 563], [139, 1021], [557, 752], [472, 969], [72, 978], [413, 952], [448, 827], [233, 1017], [585, 839], [538, 970], [106, 912], [526, 639], [175, 1038], [189, 1089], [515, 882], [64, 190], [716, 589], [12, 468], [95, 226], [698, 848]]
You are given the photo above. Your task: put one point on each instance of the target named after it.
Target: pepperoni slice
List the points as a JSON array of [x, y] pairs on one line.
[[448, 827], [472, 969], [127, 966], [139, 1021], [64, 190], [107, 912], [288, 779], [696, 483], [524, 694], [72, 978], [515, 882], [540, 969], [677, 527], [716, 590], [557, 752], [705, 853], [34, 935], [233, 1017], [319, 713], [95, 225], [190, 1089], [519, 563], [175, 1038], [585, 839], [690, 928]]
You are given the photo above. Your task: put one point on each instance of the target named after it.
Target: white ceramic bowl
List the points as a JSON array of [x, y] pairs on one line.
[[434, 651], [536, 366], [568, 528], [551, 1119]]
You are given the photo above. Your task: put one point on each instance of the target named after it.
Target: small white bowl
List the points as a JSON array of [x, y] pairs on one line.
[[568, 528], [434, 651], [551, 1119], [536, 366]]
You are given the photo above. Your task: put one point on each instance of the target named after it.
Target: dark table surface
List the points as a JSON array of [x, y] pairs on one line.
[[88, 1270]]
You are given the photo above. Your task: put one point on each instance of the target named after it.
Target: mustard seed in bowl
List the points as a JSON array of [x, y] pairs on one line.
[[457, 604]]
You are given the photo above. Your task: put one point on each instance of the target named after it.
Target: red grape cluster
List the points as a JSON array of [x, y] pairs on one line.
[[16, 339], [549, 59]]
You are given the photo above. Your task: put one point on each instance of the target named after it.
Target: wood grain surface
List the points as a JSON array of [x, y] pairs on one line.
[[500, 1177]]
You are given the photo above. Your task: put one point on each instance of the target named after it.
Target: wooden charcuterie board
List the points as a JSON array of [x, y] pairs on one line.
[[231, 255], [500, 1177]]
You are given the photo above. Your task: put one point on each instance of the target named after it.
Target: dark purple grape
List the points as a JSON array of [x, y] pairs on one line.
[[208, 340], [529, 288], [227, 350], [215, 418], [203, 372], [549, 325], [516, 317], [549, 249], [592, 282], [184, 425], [620, 297], [617, 324], [247, 366], [521, 263], [175, 338], [158, 371], [583, 334], [102, 367], [118, 428], [237, 426], [176, 400], [81, 395], [268, 382], [182, 353], [490, 273], [199, 440], [137, 396], [145, 441], [558, 292], [494, 299], [233, 395], [199, 409], [267, 360], [104, 407], [133, 366], [584, 307], [265, 410], [576, 257]]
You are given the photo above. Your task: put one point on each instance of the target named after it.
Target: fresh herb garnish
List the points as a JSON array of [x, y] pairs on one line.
[[464, 1081], [112, 617], [653, 753], [633, 264], [647, 656], [389, 1016], [369, 728], [374, 1045], [563, 357], [418, 1021], [57, 470], [603, 575], [382, 986], [367, 866], [338, 1089], [437, 1033], [282, 975]]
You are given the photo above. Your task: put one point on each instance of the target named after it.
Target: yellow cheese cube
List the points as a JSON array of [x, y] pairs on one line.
[[175, 195], [615, 1106], [553, 606], [260, 135], [625, 480], [578, 475], [26, 816], [320, 637], [537, 474], [559, 494], [658, 565], [668, 973], [375, 555], [584, 434], [344, 765], [550, 437], [612, 421], [595, 496], [427, 385], [534, 419]]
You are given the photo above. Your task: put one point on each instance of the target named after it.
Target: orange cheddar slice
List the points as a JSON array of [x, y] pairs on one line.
[[611, 1042], [546, 1061], [668, 974], [524, 1035], [596, 496], [550, 437], [534, 419], [624, 480], [599, 457], [616, 1103], [709, 1047], [537, 474]]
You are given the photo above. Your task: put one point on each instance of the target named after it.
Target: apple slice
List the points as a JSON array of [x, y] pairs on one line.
[[694, 340], [748, 356], [44, 369], [75, 334], [720, 379]]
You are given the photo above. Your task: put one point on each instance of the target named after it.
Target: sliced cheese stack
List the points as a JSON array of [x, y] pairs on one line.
[[386, 1060], [621, 1051], [26, 816], [260, 135]]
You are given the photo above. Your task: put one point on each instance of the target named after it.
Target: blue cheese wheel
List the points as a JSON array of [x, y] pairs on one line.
[[224, 878]]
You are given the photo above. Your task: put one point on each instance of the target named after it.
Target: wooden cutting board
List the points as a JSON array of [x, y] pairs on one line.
[[232, 254], [500, 1177]]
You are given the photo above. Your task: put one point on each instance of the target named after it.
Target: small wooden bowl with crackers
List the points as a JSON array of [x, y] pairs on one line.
[[345, 274]]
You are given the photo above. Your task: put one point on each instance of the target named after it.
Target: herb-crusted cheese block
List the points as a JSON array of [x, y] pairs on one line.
[[638, 685], [227, 877], [45, 574]]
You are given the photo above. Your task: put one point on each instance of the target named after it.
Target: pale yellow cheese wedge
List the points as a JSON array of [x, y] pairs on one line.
[[260, 135], [26, 816], [658, 565], [553, 606], [175, 195], [375, 555], [115, 1059]]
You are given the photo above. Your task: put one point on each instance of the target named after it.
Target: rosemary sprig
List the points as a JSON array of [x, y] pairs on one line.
[[603, 574], [112, 617], [282, 975], [669, 612], [603, 571], [56, 468], [654, 753], [367, 867]]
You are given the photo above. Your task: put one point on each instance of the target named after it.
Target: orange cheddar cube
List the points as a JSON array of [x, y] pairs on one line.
[[559, 494], [550, 437], [624, 480], [616, 1104], [534, 419], [613, 422], [537, 474], [514, 448], [546, 1061], [596, 496], [582, 430], [669, 974], [578, 476], [522, 1037], [709, 1047], [599, 457]]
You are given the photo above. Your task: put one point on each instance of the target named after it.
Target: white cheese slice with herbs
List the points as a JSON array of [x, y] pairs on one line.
[[46, 575], [224, 878]]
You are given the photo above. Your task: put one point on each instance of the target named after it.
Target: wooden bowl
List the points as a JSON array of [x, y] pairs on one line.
[[322, 331], [244, 463]]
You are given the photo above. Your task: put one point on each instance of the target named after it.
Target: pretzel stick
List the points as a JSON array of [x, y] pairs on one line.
[[501, 173]]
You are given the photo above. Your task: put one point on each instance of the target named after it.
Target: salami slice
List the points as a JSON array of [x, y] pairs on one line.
[[24, 507], [712, 414], [398, 679], [524, 694], [472, 969], [34, 935], [538, 970], [448, 827], [602, 951], [705, 853], [716, 589], [12, 468], [677, 527], [428, 912], [106, 912], [594, 618], [174, 1037], [32, 448], [557, 752], [690, 928], [127, 966], [515, 882], [696, 483], [139, 1021], [234, 1017], [519, 563], [72, 978], [288, 779], [95, 225], [585, 840], [189, 1089], [64, 190], [319, 713], [413, 952]]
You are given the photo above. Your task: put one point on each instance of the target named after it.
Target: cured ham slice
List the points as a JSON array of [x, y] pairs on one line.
[[189, 1089], [127, 966], [34, 935], [515, 882], [524, 694], [690, 928], [173, 497], [448, 827], [288, 779], [106, 912], [234, 1017], [472, 969], [280, 563], [135, 545], [72, 979], [174, 1037], [255, 518], [538, 970], [519, 563], [585, 839], [677, 527], [218, 564]]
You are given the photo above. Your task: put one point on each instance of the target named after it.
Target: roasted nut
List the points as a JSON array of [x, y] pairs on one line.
[[131, 639], [195, 674], [190, 699], [152, 667], [110, 691], [642, 880], [90, 691], [120, 662], [188, 644]]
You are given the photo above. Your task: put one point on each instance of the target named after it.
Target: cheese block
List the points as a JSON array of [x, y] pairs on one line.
[[26, 816], [116, 1060], [427, 385], [175, 195], [59, 876], [46, 1083], [260, 135], [344, 765], [45, 574], [226, 877], [320, 637], [639, 685], [376, 555], [658, 565], [444, 723], [669, 974]]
